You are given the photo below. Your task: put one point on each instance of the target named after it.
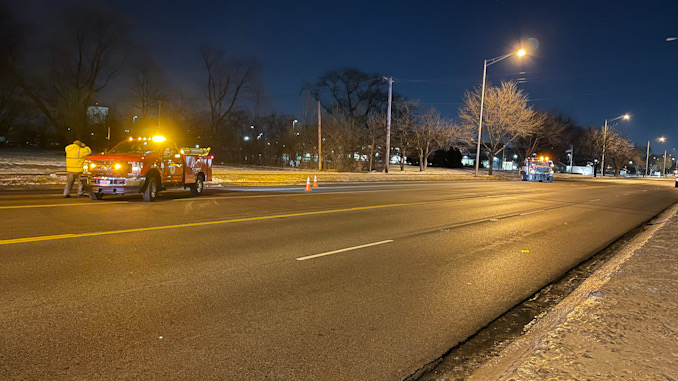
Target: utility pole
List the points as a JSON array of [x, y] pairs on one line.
[[664, 167], [388, 124], [159, 111], [647, 159], [320, 141]]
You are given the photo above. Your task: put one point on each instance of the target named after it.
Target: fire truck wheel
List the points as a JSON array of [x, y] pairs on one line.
[[96, 195], [198, 187], [151, 190]]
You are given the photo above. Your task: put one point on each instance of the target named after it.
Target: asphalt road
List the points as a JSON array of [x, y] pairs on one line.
[[356, 282]]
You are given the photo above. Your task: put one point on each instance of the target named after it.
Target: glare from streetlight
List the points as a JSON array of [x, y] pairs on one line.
[[627, 116], [662, 139], [521, 52]]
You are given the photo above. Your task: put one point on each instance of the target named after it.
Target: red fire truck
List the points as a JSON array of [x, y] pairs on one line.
[[147, 166], [537, 169]]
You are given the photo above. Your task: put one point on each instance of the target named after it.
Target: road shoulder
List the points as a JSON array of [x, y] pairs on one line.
[[619, 323]]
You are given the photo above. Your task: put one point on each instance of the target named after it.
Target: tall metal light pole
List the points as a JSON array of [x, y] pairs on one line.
[[647, 159], [320, 141], [487, 63], [388, 125], [602, 161]]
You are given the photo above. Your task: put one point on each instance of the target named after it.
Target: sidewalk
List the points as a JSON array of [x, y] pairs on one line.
[[621, 323]]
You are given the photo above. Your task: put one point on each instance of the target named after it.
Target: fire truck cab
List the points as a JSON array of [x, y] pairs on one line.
[[537, 169], [147, 166]]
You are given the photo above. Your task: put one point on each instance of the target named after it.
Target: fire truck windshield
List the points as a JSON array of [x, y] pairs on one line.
[[135, 146]]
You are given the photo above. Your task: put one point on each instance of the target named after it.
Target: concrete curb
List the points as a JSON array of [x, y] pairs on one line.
[[518, 351]]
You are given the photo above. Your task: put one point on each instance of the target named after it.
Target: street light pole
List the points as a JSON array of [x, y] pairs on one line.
[[320, 141], [602, 161], [647, 159], [480, 121], [388, 125], [487, 63], [664, 167]]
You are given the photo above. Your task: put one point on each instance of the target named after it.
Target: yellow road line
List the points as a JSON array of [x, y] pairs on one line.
[[208, 223]]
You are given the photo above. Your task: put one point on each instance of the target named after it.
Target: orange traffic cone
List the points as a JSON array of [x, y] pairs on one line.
[[308, 184], [315, 181]]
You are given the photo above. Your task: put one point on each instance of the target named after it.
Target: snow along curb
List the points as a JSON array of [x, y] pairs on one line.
[[521, 349]]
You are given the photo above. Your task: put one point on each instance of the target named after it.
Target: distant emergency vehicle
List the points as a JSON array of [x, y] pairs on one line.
[[537, 169], [147, 166]]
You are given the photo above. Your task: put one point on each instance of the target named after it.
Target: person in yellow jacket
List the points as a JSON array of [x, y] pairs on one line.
[[75, 158]]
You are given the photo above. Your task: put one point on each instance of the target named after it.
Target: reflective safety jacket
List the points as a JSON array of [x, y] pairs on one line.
[[75, 157]]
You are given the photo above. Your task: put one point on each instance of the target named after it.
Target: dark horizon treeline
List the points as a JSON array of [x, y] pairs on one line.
[[55, 75]]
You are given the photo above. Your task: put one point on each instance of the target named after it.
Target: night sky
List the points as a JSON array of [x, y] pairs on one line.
[[595, 60]]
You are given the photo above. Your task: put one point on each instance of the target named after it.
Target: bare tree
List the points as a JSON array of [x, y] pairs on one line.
[[225, 83], [429, 134], [15, 110], [376, 130], [590, 144], [351, 93], [506, 116], [342, 141], [404, 123], [547, 132], [261, 102], [147, 85], [12, 105], [620, 150], [87, 52]]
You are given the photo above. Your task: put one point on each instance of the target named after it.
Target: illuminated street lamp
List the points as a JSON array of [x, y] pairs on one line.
[[294, 122], [487, 63], [602, 161], [647, 158]]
